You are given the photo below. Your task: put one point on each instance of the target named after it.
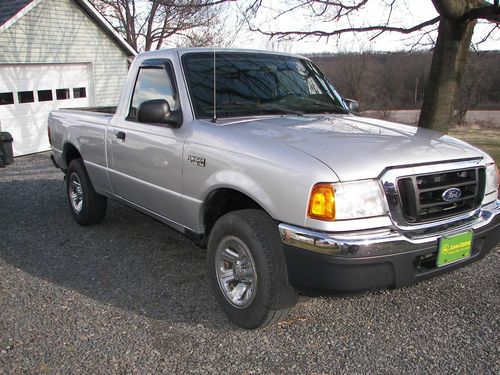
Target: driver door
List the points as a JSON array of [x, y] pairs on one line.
[[146, 159]]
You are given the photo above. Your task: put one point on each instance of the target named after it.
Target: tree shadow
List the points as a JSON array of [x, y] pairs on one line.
[[130, 260]]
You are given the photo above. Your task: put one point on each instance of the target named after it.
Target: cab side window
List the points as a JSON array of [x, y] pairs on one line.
[[153, 82]]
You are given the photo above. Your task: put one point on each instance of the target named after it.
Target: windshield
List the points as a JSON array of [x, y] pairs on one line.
[[257, 84]]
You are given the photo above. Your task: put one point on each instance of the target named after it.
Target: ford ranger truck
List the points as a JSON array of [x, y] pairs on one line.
[[257, 157]]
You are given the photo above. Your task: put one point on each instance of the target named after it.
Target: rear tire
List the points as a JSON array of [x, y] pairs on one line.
[[247, 269], [86, 205]]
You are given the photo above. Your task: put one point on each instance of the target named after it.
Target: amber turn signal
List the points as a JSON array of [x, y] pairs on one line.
[[322, 202]]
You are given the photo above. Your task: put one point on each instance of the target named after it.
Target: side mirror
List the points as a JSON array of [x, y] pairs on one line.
[[353, 106], [157, 111]]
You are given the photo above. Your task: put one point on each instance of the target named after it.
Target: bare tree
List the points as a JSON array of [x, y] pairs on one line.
[[148, 25], [353, 73], [219, 31], [384, 81], [456, 22]]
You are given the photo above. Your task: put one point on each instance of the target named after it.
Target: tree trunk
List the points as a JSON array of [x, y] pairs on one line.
[[447, 68]]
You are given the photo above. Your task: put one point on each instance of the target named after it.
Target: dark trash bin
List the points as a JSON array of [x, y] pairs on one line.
[[6, 155]]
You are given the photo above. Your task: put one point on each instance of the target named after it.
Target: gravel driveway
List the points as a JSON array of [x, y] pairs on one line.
[[131, 296]]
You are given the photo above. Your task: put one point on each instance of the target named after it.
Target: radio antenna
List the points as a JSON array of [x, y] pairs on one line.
[[214, 120]]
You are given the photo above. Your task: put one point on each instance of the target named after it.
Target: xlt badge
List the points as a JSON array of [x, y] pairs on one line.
[[198, 160]]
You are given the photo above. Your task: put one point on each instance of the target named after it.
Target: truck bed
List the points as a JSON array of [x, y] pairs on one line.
[[108, 110]]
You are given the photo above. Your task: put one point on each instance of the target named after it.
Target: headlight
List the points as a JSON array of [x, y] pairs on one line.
[[491, 183], [347, 200]]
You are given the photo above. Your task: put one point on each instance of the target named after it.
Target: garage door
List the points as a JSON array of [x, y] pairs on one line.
[[29, 92]]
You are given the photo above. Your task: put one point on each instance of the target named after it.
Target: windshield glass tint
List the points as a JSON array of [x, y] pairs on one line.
[[257, 84]]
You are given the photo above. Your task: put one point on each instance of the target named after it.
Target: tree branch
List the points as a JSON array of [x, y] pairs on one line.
[[191, 5], [490, 13], [464, 11], [320, 33]]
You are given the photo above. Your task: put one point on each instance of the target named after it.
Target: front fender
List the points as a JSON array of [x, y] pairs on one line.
[[235, 180], [277, 177]]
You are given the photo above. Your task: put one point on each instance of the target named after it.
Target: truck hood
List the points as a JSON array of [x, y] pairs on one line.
[[357, 147]]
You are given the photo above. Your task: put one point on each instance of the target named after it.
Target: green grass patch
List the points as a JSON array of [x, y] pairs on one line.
[[487, 140]]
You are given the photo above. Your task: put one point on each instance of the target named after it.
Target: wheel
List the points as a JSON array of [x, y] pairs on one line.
[[86, 205], [247, 269]]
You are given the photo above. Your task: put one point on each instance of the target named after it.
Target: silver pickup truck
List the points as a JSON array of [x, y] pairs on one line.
[[257, 157]]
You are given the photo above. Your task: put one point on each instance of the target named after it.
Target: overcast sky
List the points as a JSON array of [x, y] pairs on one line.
[[406, 13]]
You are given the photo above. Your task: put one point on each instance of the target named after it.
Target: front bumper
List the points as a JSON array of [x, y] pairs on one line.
[[361, 261]]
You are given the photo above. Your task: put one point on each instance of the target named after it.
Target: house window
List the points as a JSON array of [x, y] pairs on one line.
[[79, 92], [62, 94], [6, 98], [44, 95], [25, 97]]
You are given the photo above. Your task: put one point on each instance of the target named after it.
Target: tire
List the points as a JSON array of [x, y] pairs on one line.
[[86, 205], [247, 269]]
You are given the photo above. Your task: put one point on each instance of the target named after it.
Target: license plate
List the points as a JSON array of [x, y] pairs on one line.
[[454, 248]]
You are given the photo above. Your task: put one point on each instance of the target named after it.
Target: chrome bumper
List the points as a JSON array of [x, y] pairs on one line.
[[383, 241]]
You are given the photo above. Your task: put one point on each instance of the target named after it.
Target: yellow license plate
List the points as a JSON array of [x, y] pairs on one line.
[[454, 248]]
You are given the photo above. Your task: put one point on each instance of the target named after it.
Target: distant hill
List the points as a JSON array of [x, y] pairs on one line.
[[387, 81]]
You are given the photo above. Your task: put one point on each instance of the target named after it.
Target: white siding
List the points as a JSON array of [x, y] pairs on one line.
[[57, 31]]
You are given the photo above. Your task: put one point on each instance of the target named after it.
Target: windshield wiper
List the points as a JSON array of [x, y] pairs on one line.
[[280, 109], [259, 107], [328, 106]]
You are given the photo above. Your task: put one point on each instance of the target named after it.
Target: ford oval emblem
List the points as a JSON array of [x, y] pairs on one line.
[[451, 194]]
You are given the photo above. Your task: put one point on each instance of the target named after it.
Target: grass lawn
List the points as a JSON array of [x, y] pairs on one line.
[[486, 139]]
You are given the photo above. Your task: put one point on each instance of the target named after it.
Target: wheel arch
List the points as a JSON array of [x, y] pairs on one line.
[[223, 200], [70, 152]]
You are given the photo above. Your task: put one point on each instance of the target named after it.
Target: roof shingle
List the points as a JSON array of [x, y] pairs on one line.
[[9, 8]]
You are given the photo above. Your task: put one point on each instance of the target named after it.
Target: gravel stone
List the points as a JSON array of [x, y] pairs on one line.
[[131, 296]]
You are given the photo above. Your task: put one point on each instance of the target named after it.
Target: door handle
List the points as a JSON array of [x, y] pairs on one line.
[[120, 135]]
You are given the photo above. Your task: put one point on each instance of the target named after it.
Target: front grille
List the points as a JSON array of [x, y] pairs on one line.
[[421, 196]]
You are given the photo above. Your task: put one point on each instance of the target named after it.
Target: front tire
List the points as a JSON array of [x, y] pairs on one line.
[[247, 269], [86, 205]]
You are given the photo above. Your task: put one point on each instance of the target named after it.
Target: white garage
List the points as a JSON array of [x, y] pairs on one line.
[[55, 54], [29, 92]]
